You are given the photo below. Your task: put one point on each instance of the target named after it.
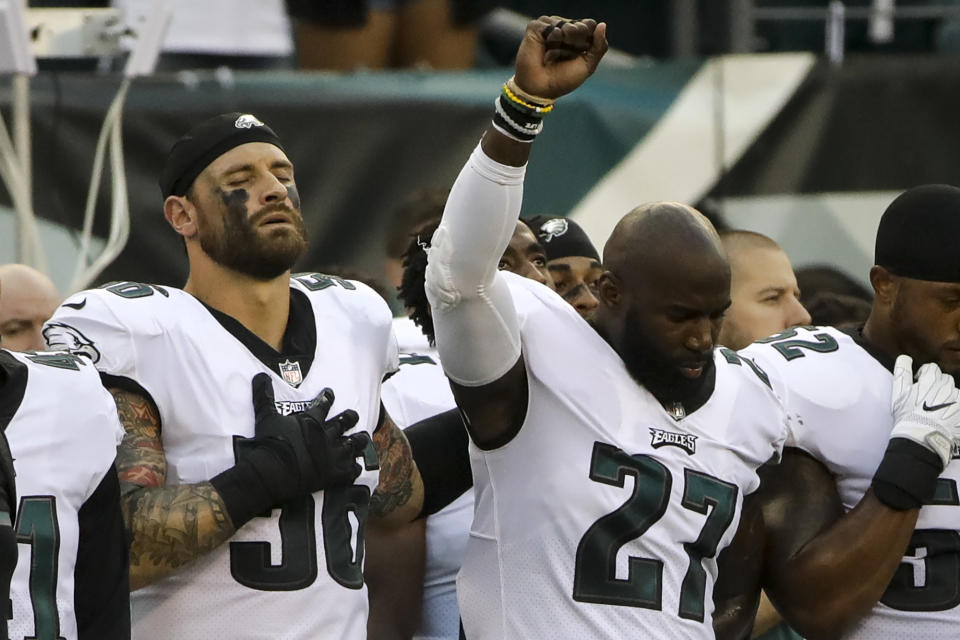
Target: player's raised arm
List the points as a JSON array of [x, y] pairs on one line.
[[476, 325]]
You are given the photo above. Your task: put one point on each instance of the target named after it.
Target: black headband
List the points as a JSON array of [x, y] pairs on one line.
[[919, 232], [206, 142], [562, 237]]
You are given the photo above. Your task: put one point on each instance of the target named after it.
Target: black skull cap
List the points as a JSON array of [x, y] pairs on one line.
[[562, 237], [206, 142], [918, 233]]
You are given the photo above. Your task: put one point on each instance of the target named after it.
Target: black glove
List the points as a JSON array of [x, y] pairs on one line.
[[289, 456]]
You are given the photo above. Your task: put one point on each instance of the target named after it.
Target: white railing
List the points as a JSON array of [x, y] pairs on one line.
[[882, 16]]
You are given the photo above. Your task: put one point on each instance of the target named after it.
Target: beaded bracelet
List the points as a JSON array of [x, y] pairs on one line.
[[522, 104], [519, 115], [528, 97]]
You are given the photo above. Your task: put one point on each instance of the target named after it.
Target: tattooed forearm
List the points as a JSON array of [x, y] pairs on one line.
[[140, 459], [399, 495], [168, 526], [172, 526]]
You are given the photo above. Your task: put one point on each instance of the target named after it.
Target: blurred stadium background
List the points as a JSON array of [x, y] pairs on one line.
[[795, 118]]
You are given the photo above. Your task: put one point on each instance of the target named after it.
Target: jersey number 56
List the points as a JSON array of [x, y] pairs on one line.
[[250, 562]]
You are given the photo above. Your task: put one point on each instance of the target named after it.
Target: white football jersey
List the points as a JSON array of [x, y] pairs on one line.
[[295, 573], [71, 579], [603, 517], [418, 391], [843, 393]]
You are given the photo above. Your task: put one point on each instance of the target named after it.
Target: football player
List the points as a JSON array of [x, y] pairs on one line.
[[560, 542], [572, 259], [246, 520], [764, 294], [898, 578], [602, 496], [61, 427]]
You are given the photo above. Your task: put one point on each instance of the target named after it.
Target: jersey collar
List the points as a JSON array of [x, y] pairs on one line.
[[299, 340], [682, 407]]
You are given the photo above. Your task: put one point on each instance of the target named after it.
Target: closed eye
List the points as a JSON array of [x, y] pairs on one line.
[[772, 296]]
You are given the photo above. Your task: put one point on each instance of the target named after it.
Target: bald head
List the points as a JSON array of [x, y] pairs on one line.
[[662, 297], [27, 300], [661, 236]]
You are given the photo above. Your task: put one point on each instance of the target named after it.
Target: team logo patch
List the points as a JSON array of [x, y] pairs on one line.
[[247, 121], [553, 228], [63, 337], [660, 438], [291, 373]]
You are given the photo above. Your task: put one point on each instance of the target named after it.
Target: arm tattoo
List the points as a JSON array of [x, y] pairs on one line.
[[140, 459], [168, 526], [396, 470], [171, 527]]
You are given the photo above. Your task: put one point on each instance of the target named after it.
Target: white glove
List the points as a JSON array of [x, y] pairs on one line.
[[926, 411]]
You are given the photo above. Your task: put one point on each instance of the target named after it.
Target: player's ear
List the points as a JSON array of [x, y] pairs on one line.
[[608, 289], [181, 214], [884, 284]]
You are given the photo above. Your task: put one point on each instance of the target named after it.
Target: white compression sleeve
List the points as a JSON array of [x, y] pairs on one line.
[[478, 335]]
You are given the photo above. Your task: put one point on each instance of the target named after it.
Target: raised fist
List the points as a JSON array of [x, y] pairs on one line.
[[557, 55]]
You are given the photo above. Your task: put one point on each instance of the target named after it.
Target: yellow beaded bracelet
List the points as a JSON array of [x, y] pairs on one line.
[[541, 110], [536, 100]]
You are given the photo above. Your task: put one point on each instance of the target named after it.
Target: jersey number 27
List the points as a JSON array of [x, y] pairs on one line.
[[595, 575]]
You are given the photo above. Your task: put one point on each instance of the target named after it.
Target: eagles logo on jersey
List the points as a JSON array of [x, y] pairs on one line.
[[66, 338], [660, 438]]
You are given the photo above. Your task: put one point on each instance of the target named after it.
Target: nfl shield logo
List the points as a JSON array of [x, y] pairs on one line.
[[291, 373]]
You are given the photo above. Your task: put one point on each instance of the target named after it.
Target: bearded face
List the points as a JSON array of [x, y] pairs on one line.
[[658, 362], [263, 244]]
